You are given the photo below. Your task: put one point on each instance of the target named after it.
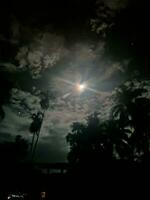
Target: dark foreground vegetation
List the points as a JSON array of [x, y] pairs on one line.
[[110, 154]]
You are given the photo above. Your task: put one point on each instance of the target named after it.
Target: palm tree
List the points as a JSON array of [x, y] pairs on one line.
[[36, 124], [132, 110], [125, 99], [118, 139], [89, 142], [35, 130], [140, 120]]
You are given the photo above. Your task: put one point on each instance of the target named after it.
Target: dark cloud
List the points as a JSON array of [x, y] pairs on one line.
[[106, 12], [116, 4], [43, 53], [24, 103]]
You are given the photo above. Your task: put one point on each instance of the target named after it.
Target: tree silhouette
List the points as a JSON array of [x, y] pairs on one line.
[[140, 122], [124, 136], [118, 137], [16, 151], [133, 111], [89, 142], [36, 124], [124, 99], [35, 130]]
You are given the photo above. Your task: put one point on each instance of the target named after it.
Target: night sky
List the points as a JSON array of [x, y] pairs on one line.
[[57, 45]]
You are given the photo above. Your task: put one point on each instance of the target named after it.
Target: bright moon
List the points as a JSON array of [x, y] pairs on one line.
[[81, 87]]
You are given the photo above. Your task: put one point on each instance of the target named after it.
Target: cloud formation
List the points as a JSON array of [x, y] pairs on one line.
[[42, 53], [52, 64], [105, 14], [24, 103], [14, 124], [116, 4]]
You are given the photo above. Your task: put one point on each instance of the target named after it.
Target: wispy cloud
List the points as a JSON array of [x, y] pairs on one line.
[[42, 53], [106, 11], [116, 4], [46, 54], [24, 103], [14, 124]]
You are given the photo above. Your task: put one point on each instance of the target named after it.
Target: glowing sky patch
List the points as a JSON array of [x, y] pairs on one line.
[[81, 87]]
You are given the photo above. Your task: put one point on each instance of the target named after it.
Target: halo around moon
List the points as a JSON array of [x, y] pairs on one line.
[[81, 87]]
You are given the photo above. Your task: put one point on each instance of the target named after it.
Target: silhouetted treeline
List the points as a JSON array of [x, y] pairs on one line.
[[121, 140], [15, 151], [16, 172]]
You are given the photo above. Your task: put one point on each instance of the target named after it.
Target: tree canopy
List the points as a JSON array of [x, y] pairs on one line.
[[124, 136]]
